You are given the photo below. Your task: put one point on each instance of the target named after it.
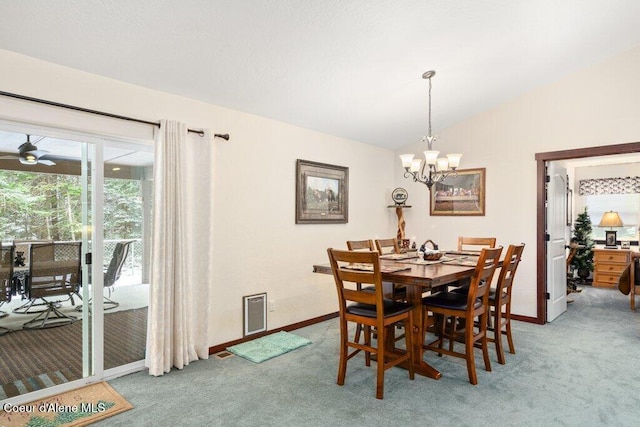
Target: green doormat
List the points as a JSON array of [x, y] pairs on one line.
[[268, 347]]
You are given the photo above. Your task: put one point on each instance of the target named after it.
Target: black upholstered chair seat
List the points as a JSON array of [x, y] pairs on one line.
[[465, 291], [452, 300], [391, 308], [493, 295]]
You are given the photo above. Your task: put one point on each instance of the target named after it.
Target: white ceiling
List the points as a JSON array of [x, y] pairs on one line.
[[350, 68]]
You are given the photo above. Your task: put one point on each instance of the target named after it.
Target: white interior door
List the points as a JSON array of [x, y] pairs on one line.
[[556, 218]]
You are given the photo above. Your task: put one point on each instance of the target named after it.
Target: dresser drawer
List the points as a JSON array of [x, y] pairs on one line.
[[610, 268], [605, 279], [611, 257]]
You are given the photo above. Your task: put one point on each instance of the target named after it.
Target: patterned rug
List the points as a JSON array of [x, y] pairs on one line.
[[269, 346], [78, 407], [27, 385]]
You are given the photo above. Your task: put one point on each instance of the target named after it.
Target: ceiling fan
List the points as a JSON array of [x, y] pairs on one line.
[[28, 154]]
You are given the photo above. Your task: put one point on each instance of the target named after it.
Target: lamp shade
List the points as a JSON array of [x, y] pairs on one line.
[[610, 219]]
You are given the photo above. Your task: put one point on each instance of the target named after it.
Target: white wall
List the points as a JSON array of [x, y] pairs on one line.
[[594, 107], [258, 247]]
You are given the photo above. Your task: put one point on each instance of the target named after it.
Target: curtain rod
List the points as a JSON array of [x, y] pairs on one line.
[[200, 132]]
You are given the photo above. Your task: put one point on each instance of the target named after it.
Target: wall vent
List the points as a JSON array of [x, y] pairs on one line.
[[255, 313]]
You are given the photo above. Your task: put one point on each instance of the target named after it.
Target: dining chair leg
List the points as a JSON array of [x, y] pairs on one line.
[[367, 342], [358, 333], [380, 360], [485, 342], [409, 345], [512, 348], [344, 353], [497, 336], [441, 328], [470, 358], [452, 334]]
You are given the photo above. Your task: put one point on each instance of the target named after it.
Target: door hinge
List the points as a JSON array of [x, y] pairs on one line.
[[547, 237], [547, 295], [547, 178], [87, 258]]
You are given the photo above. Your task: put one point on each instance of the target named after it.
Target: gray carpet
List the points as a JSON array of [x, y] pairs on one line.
[[580, 370]]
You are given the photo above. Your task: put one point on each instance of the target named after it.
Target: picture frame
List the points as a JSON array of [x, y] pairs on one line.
[[322, 193], [462, 194], [610, 239]]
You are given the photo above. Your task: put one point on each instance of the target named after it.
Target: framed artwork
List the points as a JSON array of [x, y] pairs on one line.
[[322, 193], [459, 195], [610, 239]]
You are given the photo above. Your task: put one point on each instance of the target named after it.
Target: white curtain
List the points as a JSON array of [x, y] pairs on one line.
[[177, 331]]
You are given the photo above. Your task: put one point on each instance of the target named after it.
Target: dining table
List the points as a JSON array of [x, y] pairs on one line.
[[421, 276]]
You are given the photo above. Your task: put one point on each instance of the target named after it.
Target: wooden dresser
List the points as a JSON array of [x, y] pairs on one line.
[[609, 265]]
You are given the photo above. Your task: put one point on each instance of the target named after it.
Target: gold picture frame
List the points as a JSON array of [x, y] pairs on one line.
[[322, 193], [459, 195]]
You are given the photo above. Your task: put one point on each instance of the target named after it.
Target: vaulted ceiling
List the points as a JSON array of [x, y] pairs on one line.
[[350, 68]]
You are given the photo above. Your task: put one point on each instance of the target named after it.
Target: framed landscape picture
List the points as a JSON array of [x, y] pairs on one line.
[[459, 195], [322, 193]]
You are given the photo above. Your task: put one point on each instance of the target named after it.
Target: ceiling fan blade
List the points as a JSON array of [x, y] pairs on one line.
[[46, 162], [37, 153], [7, 157]]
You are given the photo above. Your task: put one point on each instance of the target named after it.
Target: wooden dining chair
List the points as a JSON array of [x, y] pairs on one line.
[[369, 309], [477, 243], [488, 242], [472, 308], [388, 246], [391, 246], [358, 245], [500, 301]]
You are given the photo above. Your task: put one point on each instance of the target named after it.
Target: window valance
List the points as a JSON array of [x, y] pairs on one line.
[[598, 186]]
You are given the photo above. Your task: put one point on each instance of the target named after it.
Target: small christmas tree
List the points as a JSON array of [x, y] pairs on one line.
[[583, 260]]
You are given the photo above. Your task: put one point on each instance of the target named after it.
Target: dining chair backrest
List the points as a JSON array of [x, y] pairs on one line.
[[482, 276], [340, 259], [508, 271], [358, 245], [489, 242], [500, 301], [6, 271], [383, 246]]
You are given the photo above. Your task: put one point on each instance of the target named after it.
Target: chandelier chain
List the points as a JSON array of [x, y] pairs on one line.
[[429, 134], [433, 169]]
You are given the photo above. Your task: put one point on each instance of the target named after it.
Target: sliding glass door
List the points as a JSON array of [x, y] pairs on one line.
[[46, 217], [89, 200], [127, 190]]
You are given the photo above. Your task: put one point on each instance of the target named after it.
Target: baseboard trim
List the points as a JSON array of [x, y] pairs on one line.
[[288, 328], [527, 319]]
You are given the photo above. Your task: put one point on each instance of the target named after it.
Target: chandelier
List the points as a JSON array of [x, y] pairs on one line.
[[433, 169]]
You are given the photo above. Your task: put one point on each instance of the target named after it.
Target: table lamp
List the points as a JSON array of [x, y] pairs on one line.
[[610, 219]]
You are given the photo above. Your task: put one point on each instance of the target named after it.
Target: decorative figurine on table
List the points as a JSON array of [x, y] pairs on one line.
[[19, 262], [400, 196]]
